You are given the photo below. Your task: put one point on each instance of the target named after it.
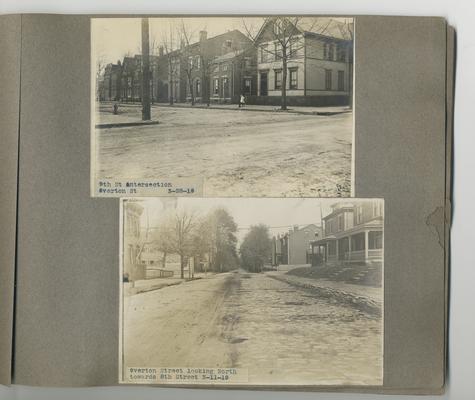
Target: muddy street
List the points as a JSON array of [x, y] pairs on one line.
[[237, 153], [277, 332]]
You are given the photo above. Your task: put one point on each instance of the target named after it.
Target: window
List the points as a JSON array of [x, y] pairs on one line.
[[291, 47], [278, 79], [278, 51], [198, 88], [293, 72], [247, 62], [377, 209], [341, 81], [340, 52], [225, 87], [341, 222], [216, 86], [190, 62], [224, 67], [330, 51], [375, 240], [325, 51], [247, 86], [359, 214], [198, 62], [328, 79], [264, 53]]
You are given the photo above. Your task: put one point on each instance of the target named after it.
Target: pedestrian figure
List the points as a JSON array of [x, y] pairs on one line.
[[116, 109], [242, 101]]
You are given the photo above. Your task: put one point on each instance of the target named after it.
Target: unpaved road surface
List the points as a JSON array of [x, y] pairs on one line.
[[279, 333], [239, 153]]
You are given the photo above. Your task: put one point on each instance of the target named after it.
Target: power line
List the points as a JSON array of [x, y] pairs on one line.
[[280, 227]]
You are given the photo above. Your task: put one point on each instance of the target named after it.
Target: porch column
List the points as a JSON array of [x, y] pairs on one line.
[[326, 251], [336, 249], [366, 242], [349, 248]]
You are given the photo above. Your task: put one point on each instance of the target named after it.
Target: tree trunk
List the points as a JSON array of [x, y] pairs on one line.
[[182, 265], [284, 79], [190, 84], [146, 111], [164, 260]]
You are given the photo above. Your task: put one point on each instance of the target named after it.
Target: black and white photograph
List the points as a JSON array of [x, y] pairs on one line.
[[222, 106], [251, 291]]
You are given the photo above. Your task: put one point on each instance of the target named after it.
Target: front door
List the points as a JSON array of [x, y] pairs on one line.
[[263, 85]]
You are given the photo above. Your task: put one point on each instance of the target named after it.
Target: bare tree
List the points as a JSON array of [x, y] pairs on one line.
[[182, 236], [168, 43], [161, 239], [188, 60], [100, 69]]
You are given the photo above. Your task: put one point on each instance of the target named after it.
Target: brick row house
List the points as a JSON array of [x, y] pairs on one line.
[[318, 58], [353, 233], [123, 81]]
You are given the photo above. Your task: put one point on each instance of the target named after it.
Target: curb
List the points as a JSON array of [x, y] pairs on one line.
[[275, 110], [125, 124], [359, 302]]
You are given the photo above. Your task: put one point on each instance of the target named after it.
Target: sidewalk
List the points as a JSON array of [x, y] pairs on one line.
[[310, 110], [365, 298], [147, 285]]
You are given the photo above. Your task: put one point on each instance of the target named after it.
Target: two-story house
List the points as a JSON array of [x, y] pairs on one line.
[[232, 74], [353, 233], [204, 70], [317, 54]]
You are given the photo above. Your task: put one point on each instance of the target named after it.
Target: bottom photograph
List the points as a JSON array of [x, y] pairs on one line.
[[251, 291]]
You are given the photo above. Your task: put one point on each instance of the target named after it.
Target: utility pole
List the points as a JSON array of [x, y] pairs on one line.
[[146, 112]]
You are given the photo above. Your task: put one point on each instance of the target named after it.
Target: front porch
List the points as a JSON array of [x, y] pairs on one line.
[[362, 247]]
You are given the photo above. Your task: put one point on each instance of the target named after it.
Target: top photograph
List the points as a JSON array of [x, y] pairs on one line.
[[222, 106]]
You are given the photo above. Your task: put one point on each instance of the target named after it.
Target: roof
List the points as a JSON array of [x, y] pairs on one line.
[[326, 27]]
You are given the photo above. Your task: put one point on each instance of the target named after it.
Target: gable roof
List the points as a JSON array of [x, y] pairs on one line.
[[326, 27], [323, 26]]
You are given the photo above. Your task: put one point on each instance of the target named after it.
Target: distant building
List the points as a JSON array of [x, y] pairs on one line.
[[133, 267], [294, 247], [319, 62], [353, 233], [300, 247], [123, 81]]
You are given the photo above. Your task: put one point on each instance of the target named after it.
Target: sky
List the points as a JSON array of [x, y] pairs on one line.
[[281, 214], [112, 38]]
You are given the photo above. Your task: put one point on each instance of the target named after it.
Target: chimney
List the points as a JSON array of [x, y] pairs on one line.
[[296, 228], [160, 51], [203, 36]]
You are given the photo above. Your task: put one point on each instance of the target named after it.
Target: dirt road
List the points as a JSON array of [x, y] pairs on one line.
[[279, 333], [239, 153]]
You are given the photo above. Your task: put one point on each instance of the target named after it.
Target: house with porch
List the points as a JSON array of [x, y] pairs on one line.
[[316, 56], [353, 233]]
